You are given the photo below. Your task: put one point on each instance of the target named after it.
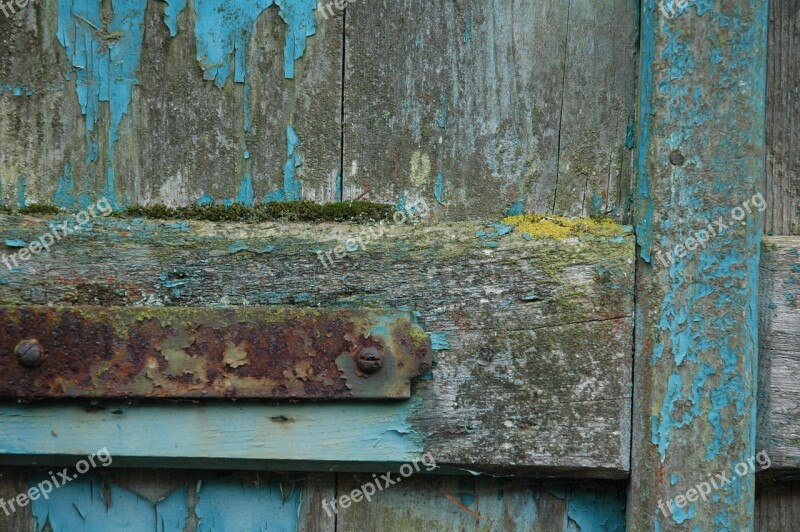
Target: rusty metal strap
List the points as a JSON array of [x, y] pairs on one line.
[[265, 353]]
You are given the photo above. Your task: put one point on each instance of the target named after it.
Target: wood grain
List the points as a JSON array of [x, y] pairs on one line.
[[779, 352], [472, 113], [783, 120], [485, 504], [594, 157], [533, 338], [777, 506]]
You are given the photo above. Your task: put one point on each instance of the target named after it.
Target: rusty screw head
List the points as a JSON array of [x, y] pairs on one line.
[[30, 353], [369, 360], [487, 353]]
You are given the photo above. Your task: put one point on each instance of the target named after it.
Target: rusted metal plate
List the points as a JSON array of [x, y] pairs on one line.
[[167, 352]]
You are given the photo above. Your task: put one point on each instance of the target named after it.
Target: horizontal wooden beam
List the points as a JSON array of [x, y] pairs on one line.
[[532, 343], [779, 354]]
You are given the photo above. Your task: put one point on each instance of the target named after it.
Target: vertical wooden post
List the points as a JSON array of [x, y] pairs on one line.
[[698, 208]]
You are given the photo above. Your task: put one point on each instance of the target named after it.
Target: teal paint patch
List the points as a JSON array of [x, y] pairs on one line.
[[171, 12], [438, 189], [594, 509], [643, 205], [222, 435], [205, 199], [517, 208], [21, 192], [674, 479], [468, 28], [292, 187], [268, 506], [16, 90], [16, 243], [245, 195], [439, 341], [236, 247], [223, 29], [65, 195], [497, 230], [172, 512], [80, 505], [104, 52], [681, 515]]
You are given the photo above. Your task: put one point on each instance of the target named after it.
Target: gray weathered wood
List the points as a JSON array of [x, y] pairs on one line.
[[779, 353], [485, 504], [476, 91], [783, 119], [534, 338], [594, 167], [182, 136], [777, 506]]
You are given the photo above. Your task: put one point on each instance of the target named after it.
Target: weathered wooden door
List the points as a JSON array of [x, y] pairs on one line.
[[223, 353]]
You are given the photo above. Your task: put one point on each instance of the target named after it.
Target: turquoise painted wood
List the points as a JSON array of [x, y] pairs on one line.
[[700, 168]]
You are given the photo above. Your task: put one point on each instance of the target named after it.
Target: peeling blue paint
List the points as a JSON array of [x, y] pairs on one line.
[[438, 189], [205, 199], [269, 506], [468, 28], [21, 192], [80, 505], [439, 341], [597, 510], [65, 195], [104, 55], [292, 187], [223, 29], [517, 208], [173, 9]]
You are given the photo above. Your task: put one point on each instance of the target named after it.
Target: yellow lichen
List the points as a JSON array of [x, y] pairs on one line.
[[561, 227]]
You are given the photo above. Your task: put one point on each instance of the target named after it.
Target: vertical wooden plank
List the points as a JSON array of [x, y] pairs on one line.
[[170, 102], [779, 351], [13, 481], [783, 119], [470, 503], [701, 149], [595, 148], [777, 506], [458, 102]]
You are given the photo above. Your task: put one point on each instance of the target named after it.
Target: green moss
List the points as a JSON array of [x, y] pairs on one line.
[[38, 209], [294, 211]]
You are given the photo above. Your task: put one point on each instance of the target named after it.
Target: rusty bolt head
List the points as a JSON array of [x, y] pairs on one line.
[[369, 360], [676, 158], [30, 353]]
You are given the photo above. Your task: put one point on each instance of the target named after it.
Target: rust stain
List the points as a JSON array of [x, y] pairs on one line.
[[461, 505], [193, 353]]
